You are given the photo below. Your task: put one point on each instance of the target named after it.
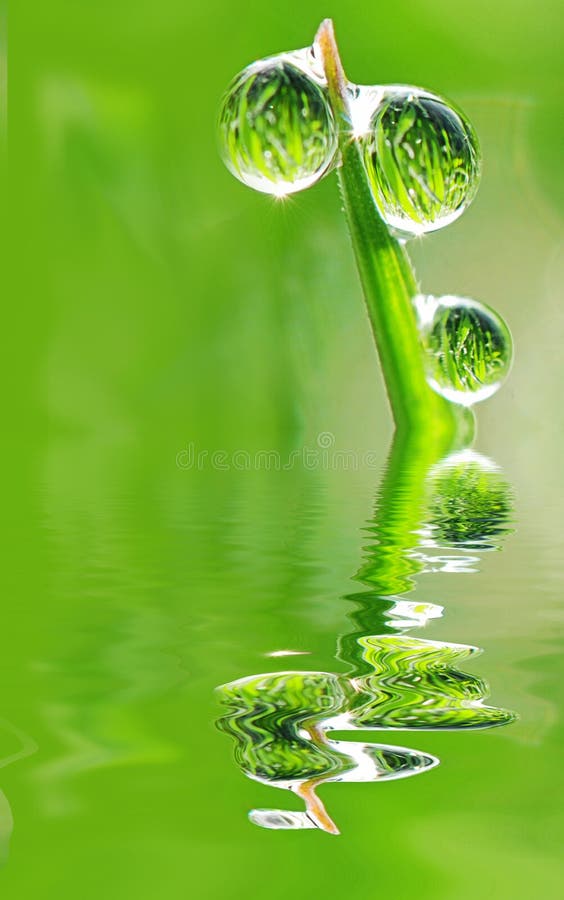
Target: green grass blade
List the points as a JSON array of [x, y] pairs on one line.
[[387, 278]]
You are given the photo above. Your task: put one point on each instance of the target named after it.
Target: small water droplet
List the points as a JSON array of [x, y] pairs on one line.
[[422, 159], [467, 348], [276, 128]]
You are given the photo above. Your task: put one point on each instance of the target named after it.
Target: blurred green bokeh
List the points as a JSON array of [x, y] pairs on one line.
[[166, 307]]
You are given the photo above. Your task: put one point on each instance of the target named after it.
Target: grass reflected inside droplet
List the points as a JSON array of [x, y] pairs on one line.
[[422, 159], [276, 128], [467, 347]]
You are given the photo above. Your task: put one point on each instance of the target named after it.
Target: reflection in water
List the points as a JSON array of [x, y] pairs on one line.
[[418, 684], [469, 503], [469, 511], [280, 721], [6, 827], [101, 728], [21, 747]]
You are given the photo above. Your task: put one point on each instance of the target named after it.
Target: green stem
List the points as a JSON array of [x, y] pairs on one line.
[[386, 274]]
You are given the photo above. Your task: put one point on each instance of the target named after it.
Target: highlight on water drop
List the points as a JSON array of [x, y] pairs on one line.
[[277, 131], [422, 158], [467, 347]]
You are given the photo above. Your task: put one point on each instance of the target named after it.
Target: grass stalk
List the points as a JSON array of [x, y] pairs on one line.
[[387, 279]]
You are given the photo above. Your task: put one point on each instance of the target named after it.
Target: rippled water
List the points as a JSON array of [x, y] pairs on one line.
[[157, 597], [280, 721]]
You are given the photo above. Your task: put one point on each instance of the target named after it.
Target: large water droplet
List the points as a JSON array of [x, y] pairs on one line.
[[276, 128], [422, 159], [467, 348]]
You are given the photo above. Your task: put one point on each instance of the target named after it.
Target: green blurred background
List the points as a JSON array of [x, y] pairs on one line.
[[163, 304]]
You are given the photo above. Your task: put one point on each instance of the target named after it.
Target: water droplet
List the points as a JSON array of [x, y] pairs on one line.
[[422, 159], [467, 348], [276, 128]]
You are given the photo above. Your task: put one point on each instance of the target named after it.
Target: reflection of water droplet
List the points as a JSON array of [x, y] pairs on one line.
[[276, 127], [467, 346], [280, 818], [423, 160], [416, 684], [273, 717], [469, 503]]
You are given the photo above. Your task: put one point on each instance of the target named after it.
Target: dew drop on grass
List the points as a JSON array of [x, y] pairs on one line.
[[277, 131], [423, 161], [467, 348]]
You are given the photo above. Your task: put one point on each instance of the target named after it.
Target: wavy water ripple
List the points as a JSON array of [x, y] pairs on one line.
[[276, 720], [429, 517], [279, 721], [416, 684]]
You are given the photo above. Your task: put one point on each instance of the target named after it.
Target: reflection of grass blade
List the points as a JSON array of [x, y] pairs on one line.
[[390, 561]]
